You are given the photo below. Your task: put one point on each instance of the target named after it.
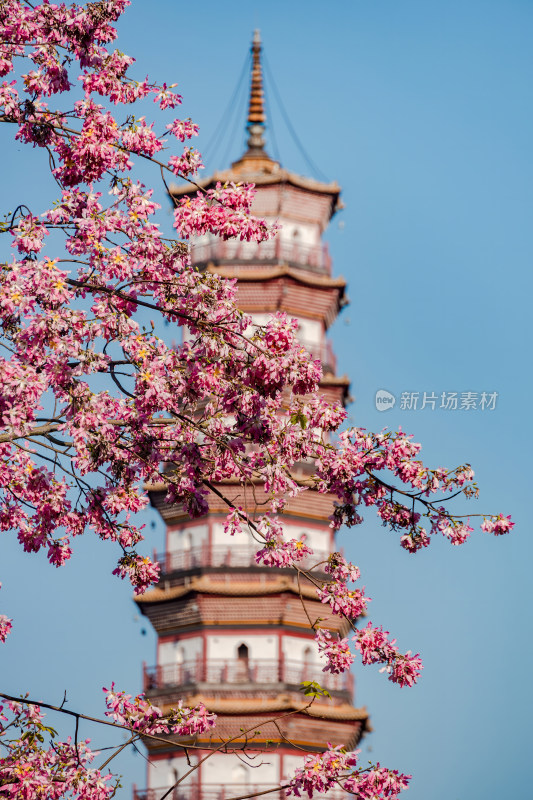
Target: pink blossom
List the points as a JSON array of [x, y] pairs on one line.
[[340, 569], [59, 552], [376, 782], [233, 523], [348, 602], [375, 647], [321, 772], [183, 129], [457, 534], [224, 211], [277, 552], [139, 714], [187, 164], [5, 627], [167, 98], [29, 235], [142, 572], [497, 525], [31, 770], [336, 650], [140, 138]]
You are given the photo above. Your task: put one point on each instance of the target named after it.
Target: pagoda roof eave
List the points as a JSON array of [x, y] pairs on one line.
[[242, 589], [334, 380], [259, 178], [282, 702], [282, 270]]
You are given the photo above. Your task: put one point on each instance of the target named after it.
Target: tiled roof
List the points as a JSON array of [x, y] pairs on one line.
[[281, 724], [309, 504], [177, 614], [335, 380], [265, 274], [260, 177], [250, 705], [282, 293], [237, 588]]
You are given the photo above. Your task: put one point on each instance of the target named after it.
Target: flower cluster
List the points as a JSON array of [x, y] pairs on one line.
[[141, 571], [341, 570], [277, 552], [376, 782], [336, 651], [224, 213], [183, 129], [497, 525], [187, 164], [351, 472], [351, 603], [30, 770], [232, 525], [322, 771], [140, 715], [375, 647], [336, 768], [5, 626]]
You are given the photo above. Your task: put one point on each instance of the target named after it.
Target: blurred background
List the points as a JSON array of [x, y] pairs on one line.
[[422, 112]]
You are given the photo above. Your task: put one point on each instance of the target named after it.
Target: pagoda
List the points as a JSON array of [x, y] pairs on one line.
[[230, 633]]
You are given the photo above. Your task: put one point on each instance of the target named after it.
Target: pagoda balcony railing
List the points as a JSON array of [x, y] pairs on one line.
[[243, 670], [225, 791], [313, 257], [207, 791], [222, 556]]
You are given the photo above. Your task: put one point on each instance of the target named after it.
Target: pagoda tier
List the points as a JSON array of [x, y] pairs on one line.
[[224, 778], [232, 634]]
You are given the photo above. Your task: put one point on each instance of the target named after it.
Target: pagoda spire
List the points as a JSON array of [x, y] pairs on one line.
[[255, 160], [256, 110]]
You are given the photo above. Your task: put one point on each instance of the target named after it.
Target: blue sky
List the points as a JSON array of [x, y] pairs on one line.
[[422, 112]]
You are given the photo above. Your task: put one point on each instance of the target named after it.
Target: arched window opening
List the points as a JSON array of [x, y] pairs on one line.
[[242, 669], [242, 652]]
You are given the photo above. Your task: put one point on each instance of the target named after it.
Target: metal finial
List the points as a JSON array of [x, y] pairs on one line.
[[256, 110]]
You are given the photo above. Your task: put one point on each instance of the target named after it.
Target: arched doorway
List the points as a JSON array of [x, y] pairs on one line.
[[242, 667]]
